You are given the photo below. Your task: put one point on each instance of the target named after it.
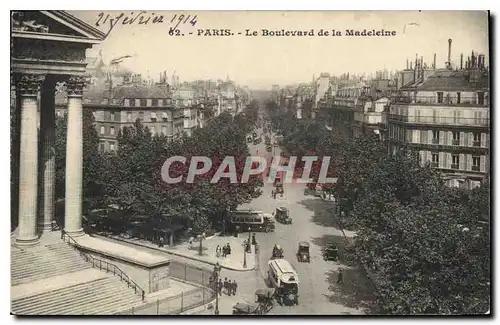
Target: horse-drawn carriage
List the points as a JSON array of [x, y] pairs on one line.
[[262, 305], [243, 308], [277, 252], [278, 187], [265, 297]]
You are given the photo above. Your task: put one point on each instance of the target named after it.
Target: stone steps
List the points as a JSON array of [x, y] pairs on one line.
[[105, 296], [44, 261]]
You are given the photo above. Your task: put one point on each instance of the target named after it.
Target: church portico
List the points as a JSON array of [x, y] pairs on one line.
[[48, 47]]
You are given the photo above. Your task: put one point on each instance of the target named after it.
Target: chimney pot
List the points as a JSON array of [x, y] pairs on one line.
[[434, 62], [461, 61], [449, 52]]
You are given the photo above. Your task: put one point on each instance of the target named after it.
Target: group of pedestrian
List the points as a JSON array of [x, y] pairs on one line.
[[224, 251], [227, 287]]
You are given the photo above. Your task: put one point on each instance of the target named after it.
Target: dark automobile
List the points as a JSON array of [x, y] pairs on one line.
[[303, 252]]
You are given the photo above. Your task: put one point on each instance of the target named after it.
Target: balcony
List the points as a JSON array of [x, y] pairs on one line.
[[475, 168], [440, 120], [435, 164], [476, 143], [442, 101], [454, 166], [435, 141], [455, 142]]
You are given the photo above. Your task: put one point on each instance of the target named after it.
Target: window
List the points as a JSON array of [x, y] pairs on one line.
[[164, 116], [144, 102], [164, 130], [101, 146], [477, 139], [141, 116], [129, 117], [435, 137], [112, 116], [456, 117], [456, 139], [480, 98], [458, 97], [455, 161], [153, 116], [112, 146], [131, 102], [154, 102], [476, 161], [103, 129], [112, 130], [440, 97], [435, 159]]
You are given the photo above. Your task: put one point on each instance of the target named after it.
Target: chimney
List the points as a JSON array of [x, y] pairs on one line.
[[411, 65], [406, 64], [449, 51], [434, 62], [461, 61], [473, 59]]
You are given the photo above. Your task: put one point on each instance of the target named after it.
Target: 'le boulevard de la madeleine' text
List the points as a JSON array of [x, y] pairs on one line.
[[321, 32]]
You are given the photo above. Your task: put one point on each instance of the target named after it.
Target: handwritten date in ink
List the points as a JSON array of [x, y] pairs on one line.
[[145, 18]]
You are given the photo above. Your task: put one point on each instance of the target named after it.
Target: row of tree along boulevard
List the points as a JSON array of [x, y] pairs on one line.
[[425, 246]]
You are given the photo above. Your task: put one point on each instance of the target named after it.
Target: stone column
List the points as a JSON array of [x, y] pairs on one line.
[[74, 157], [47, 132], [28, 87]]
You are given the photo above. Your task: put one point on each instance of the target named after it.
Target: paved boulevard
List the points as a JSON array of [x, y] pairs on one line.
[[318, 293]]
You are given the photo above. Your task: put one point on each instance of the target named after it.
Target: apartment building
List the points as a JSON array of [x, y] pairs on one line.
[[444, 115]]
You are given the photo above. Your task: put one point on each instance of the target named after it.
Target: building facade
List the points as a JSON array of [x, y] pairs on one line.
[[445, 117]]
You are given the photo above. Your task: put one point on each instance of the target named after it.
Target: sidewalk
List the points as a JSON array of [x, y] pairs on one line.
[[232, 262]]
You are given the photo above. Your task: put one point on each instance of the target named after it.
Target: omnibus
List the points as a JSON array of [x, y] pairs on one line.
[[282, 276], [249, 220]]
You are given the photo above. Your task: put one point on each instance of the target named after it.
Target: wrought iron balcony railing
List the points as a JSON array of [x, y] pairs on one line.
[[443, 100], [444, 120]]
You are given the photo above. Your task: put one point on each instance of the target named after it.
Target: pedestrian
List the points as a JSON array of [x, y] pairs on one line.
[[217, 251], [340, 277], [161, 243], [235, 286], [224, 251], [219, 287], [226, 286], [228, 249]]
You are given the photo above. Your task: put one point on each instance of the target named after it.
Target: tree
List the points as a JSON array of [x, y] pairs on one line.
[[356, 162], [423, 260], [93, 186]]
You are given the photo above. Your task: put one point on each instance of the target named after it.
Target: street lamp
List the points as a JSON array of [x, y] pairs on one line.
[[216, 281], [201, 237], [244, 257]]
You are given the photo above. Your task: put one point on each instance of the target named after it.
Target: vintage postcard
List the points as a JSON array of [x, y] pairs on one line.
[[250, 163]]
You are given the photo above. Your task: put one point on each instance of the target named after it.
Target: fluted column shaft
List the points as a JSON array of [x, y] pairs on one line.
[[47, 130], [74, 158], [28, 87]]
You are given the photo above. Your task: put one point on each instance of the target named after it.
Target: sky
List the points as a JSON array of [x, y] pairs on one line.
[[260, 61]]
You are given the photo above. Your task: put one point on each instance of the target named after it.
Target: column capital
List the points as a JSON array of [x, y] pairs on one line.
[[75, 85], [29, 84]]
